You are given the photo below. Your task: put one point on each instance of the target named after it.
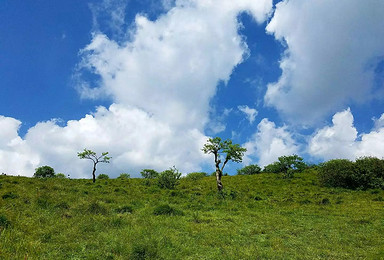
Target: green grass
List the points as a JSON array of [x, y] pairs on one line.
[[256, 217]]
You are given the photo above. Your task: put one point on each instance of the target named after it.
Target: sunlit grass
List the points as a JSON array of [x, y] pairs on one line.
[[256, 217]]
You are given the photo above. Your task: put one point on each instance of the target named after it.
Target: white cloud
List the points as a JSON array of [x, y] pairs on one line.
[[268, 143], [333, 48], [341, 140], [160, 81], [251, 113], [15, 155]]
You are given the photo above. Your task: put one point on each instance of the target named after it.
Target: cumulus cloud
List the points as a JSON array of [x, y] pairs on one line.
[[332, 51], [160, 81], [250, 113], [268, 143], [341, 140], [16, 157]]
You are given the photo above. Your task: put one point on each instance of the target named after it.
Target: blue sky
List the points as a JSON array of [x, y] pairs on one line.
[[149, 81]]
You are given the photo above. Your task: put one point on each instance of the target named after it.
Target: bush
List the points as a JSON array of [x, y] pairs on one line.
[[60, 176], [338, 173], [149, 174], [288, 165], [103, 177], [10, 195], [124, 176], [44, 172], [371, 172], [195, 175], [274, 167], [165, 209], [168, 179], [249, 170], [365, 173]]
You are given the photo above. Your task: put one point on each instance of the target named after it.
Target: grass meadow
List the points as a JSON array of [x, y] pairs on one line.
[[261, 216]]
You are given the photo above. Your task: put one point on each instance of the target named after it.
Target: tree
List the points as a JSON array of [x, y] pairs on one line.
[[168, 179], [290, 164], [249, 170], [91, 155], [44, 172], [232, 152], [149, 174]]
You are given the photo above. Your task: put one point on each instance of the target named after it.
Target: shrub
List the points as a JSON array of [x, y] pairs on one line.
[[97, 209], [149, 174], [338, 173], [44, 172], [103, 177], [274, 167], [249, 170], [60, 176], [124, 176], [288, 165], [144, 250], [195, 175], [168, 179], [165, 209], [371, 172]]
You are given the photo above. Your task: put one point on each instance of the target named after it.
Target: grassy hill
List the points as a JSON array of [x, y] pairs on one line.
[[257, 217]]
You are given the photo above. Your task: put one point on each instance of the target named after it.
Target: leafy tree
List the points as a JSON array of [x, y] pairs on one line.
[[91, 155], [249, 170], [274, 167], [291, 164], [149, 174], [168, 179], [338, 173], [44, 172], [232, 152], [60, 175], [103, 177], [287, 165]]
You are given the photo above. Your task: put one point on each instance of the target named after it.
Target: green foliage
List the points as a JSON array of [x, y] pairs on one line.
[[60, 176], [366, 172], [288, 165], [124, 176], [103, 177], [149, 174], [371, 171], [249, 170], [165, 209], [195, 176], [274, 167], [168, 179], [44, 172], [232, 152]]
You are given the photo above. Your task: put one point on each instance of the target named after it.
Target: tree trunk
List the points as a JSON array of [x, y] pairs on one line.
[[93, 173], [219, 173], [218, 180]]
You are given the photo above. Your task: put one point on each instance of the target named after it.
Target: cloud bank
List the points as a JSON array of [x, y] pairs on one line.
[[333, 50], [160, 81]]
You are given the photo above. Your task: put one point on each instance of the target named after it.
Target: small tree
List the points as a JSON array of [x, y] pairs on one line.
[[44, 172], [88, 154], [168, 179], [291, 164], [249, 170], [149, 174], [232, 152]]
